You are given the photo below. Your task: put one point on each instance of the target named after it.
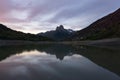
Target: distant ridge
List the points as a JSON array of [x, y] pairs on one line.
[[106, 27]]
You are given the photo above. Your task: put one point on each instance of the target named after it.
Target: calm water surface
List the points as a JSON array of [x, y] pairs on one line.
[[52, 62]]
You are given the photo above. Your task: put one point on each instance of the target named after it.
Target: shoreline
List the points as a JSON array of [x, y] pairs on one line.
[[102, 42]]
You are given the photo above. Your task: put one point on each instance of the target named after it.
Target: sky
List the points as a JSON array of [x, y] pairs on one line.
[[35, 16]]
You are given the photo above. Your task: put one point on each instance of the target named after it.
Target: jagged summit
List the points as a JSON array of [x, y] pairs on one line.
[[61, 27], [59, 34]]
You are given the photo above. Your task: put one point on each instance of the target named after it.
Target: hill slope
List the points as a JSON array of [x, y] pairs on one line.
[[9, 34], [106, 27]]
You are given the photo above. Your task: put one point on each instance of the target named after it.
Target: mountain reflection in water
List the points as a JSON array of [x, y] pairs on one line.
[[49, 62]]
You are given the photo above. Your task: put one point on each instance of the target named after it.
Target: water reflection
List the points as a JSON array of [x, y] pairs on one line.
[[58, 50], [50, 62], [106, 57]]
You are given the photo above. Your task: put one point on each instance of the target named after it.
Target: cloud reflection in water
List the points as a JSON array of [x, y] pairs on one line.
[[36, 65]]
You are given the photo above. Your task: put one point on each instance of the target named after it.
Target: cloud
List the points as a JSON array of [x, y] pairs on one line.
[[43, 15]]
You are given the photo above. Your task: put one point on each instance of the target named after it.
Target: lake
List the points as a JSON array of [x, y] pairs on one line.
[[59, 62]]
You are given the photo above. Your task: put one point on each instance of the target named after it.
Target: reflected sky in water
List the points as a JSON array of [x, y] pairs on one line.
[[40, 65]]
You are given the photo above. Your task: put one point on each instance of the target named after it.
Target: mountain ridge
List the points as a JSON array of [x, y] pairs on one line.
[[106, 27], [9, 34]]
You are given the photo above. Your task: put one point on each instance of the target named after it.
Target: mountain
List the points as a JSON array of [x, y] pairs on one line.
[[59, 34], [106, 27], [9, 34]]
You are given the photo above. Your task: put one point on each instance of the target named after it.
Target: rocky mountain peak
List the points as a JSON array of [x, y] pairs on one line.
[[60, 28]]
